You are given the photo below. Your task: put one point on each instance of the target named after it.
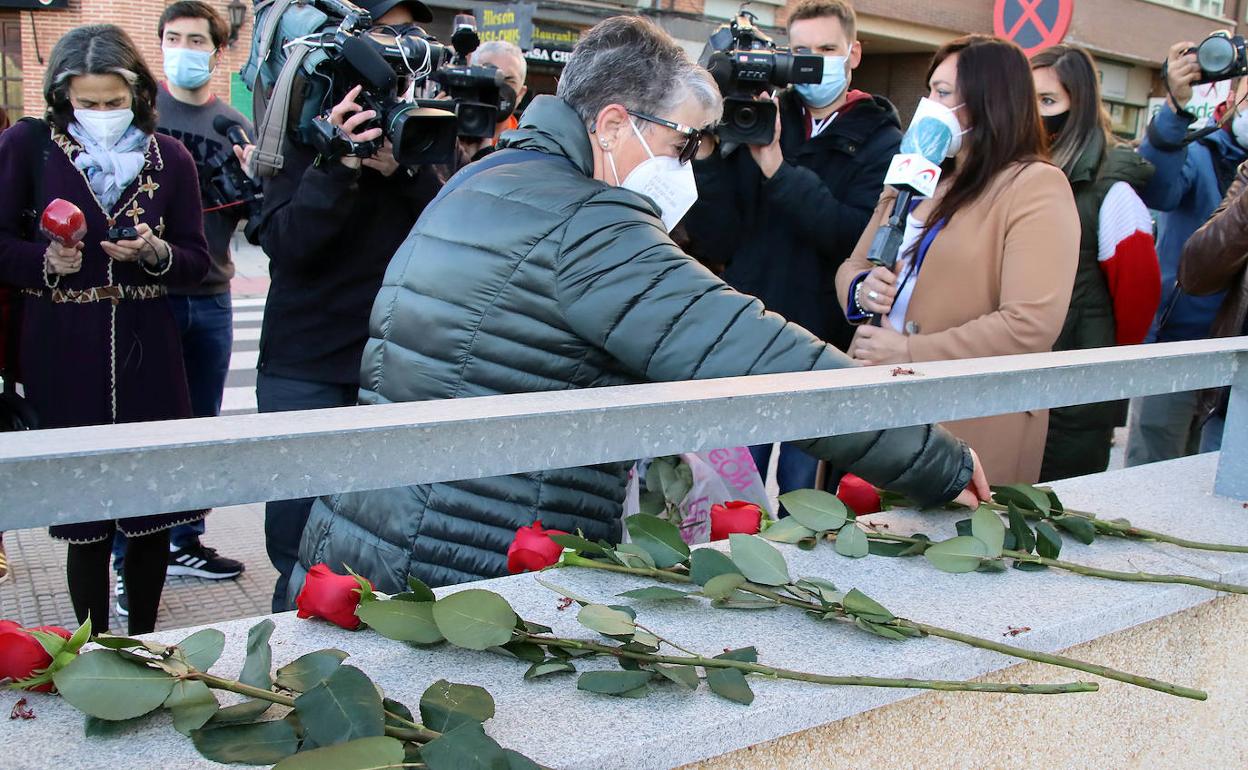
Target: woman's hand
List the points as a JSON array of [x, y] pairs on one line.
[[875, 345], [63, 260], [978, 490], [147, 248], [877, 291]]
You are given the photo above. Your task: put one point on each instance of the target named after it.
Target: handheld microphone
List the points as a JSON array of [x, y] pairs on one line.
[[63, 222], [231, 129]]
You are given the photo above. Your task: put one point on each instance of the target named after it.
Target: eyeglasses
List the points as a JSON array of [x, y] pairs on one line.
[[693, 136]]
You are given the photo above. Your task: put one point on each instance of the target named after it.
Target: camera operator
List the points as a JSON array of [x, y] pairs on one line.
[[508, 59], [783, 217], [329, 226], [192, 35], [1190, 181]]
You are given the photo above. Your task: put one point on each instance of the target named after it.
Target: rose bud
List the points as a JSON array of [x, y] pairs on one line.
[[733, 517], [859, 494], [21, 655], [63, 222], [532, 549], [330, 596]]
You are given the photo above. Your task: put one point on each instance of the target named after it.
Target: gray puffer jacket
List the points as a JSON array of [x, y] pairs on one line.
[[533, 276]]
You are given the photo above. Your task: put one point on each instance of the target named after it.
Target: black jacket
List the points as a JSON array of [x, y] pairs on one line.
[[783, 238], [329, 232]]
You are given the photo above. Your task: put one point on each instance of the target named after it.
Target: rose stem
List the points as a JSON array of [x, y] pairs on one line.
[[801, 676]]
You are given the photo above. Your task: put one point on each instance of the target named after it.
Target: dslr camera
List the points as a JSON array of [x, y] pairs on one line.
[[746, 64], [1221, 56], [481, 96], [388, 62]]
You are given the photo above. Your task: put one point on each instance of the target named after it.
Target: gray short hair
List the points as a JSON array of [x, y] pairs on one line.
[[494, 48], [629, 60]]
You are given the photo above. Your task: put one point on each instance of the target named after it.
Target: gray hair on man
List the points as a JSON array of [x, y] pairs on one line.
[[629, 60], [495, 48]]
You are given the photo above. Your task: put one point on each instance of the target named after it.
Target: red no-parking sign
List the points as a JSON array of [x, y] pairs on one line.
[[1033, 24]]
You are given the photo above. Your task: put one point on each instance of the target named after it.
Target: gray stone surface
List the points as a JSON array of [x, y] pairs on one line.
[[562, 727]]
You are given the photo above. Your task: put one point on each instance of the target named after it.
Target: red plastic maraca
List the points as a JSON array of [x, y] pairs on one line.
[[63, 222]]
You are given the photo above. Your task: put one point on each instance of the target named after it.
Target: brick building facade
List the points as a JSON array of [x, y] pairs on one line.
[[1128, 37]]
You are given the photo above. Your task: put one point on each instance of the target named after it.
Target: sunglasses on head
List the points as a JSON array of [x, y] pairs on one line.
[[693, 136]]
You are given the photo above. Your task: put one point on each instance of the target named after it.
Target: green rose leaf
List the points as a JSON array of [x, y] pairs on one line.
[[722, 586], [1029, 566], [563, 592], [307, 671], [257, 669], [986, 526], [661, 539], [852, 542], [103, 728], [654, 594], [475, 619], [423, 592], [551, 666], [651, 503], [964, 527], [105, 685], [613, 682], [888, 632], [604, 620], [445, 705], [202, 648], [1025, 496], [787, 530], [1082, 529], [685, 676], [360, 754], [860, 605], [344, 707], [1048, 541], [577, 543], [815, 509], [396, 708], [730, 683], [758, 560], [901, 549], [633, 555], [262, 743], [1024, 538], [247, 711], [740, 600], [961, 554], [467, 747], [743, 654], [706, 563], [826, 589], [191, 704], [401, 621], [521, 650], [1054, 503]]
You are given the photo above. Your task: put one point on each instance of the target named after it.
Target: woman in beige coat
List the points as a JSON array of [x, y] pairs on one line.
[[987, 264]]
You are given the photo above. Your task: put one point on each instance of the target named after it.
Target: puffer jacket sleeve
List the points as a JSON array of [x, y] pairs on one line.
[[626, 288]]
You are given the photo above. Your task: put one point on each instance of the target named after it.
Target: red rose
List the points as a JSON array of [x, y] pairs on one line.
[[21, 655], [735, 516], [859, 494], [533, 549], [330, 596]]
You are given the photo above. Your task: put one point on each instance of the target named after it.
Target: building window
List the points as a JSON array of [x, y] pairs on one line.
[[1207, 7], [11, 67]]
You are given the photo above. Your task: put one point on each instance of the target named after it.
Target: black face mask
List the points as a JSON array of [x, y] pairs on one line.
[[1053, 124]]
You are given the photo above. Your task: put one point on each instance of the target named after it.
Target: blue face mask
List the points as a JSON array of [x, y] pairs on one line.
[[830, 88], [188, 68]]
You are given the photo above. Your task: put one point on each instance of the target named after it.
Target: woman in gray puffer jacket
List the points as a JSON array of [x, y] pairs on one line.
[[539, 269]]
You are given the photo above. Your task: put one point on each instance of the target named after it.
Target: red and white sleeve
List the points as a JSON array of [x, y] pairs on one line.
[[1128, 259]]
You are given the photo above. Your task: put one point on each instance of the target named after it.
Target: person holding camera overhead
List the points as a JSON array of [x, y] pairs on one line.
[[329, 226], [100, 344], [192, 35], [782, 217], [1193, 173], [573, 282], [1118, 283], [987, 264]]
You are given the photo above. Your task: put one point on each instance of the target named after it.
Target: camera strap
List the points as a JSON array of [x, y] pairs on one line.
[[266, 159]]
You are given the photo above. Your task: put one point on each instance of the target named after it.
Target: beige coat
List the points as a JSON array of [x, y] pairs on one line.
[[996, 281]]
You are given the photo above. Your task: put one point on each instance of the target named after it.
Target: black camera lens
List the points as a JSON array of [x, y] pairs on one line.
[[745, 118], [1216, 54]]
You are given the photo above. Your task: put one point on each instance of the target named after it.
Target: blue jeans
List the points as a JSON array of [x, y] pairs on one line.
[[794, 470], [284, 520], [206, 324]]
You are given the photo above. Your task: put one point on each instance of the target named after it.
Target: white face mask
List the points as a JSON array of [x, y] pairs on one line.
[[929, 137], [105, 126], [662, 178], [1239, 129]]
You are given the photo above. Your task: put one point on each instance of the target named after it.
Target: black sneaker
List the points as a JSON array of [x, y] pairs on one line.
[[123, 601], [200, 561]]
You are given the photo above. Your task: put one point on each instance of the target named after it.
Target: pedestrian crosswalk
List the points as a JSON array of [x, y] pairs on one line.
[[240, 384]]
